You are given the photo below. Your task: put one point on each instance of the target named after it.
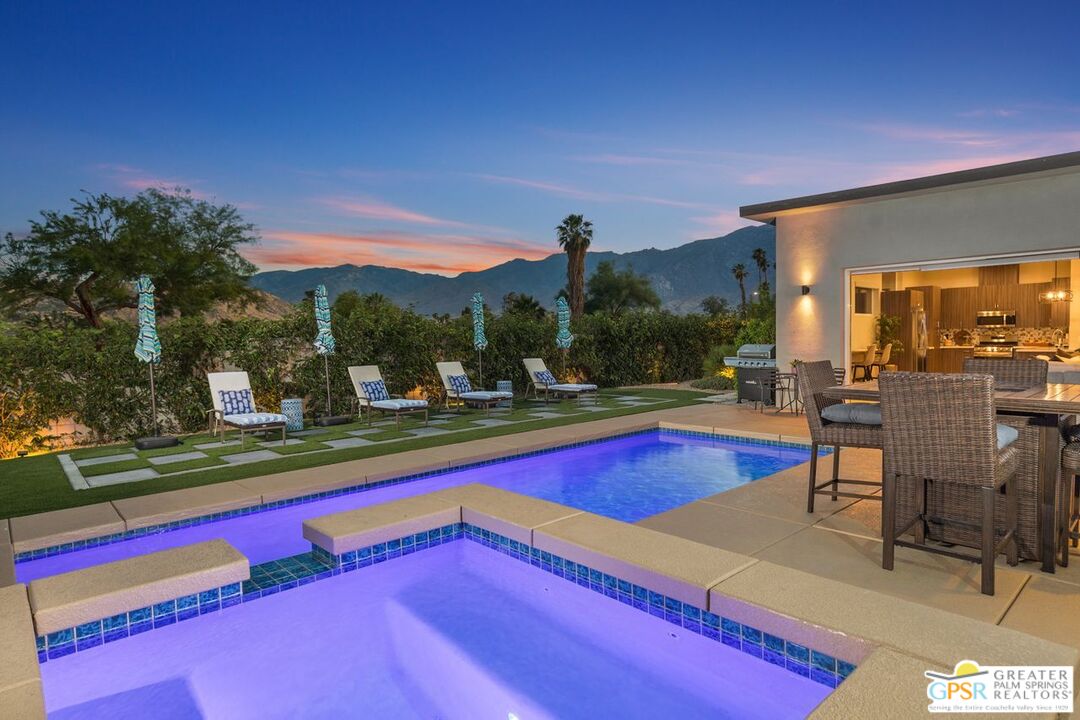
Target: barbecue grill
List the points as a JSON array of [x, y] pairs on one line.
[[754, 364]]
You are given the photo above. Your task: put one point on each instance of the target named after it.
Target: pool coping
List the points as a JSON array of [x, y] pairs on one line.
[[80, 536]]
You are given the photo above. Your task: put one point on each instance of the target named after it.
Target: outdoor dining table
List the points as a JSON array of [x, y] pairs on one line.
[[1047, 405]]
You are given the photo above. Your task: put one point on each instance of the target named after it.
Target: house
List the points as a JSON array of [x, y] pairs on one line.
[[987, 259]]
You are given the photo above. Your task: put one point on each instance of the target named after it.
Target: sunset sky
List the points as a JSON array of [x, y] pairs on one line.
[[444, 137]]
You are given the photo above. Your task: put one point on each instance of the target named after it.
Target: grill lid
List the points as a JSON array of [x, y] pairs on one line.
[[761, 351]]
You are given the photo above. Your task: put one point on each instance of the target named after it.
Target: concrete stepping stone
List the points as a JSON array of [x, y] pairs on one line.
[[309, 432], [277, 443], [78, 482], [177, 457], [119, 478], [348, 442], [493, 422], [439, 421], [594, 408], [428, 431], [213, 445], [445, 416], [253, 456], [359, 433], [120, 457], [546, 414]]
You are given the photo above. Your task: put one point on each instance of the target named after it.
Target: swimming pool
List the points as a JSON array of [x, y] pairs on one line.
[[455, 631], [627, 478]]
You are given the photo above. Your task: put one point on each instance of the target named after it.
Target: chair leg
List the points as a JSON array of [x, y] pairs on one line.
[[1012, 510], [813, 477], [920, 508], [835, 471], [988, 494], [888, 521], [283, 443]]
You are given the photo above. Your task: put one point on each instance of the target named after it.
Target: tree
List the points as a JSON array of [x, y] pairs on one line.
[[88, 259], [714, 305], [575, 234], [522, 304], [739, 271], [613, 292], [761, 259]]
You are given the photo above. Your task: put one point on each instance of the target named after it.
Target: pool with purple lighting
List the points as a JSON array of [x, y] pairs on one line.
[[627, 478], [456, 631]]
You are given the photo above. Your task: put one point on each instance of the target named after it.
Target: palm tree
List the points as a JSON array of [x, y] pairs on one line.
[[762, 260], [574, 234], [739, 271]]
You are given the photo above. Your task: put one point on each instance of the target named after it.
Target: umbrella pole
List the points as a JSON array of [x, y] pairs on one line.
[[326, 367], [153, 398], [480, 359]]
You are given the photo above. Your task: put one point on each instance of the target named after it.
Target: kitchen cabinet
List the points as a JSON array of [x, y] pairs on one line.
[[949, 359], [958, 306]]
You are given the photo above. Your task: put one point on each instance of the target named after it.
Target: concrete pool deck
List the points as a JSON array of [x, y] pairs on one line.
[[766, 520]]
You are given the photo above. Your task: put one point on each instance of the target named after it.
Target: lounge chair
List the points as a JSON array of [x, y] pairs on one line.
[[540, 378], [371, 393], [234, 406], [456, 386]]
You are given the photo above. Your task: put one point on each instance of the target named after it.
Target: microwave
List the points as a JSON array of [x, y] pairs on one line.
[[995, 319]]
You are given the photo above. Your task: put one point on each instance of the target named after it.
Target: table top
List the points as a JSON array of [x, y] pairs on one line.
[[1052, 398]]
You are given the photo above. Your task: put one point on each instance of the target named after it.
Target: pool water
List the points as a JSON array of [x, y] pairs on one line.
[[627, 478], [457, 631]]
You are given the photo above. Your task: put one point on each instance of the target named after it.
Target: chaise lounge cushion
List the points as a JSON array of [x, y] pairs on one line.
[[573, 387], [856, 413], [249, 419], [1006, 435], [483, 395], [398, 404]]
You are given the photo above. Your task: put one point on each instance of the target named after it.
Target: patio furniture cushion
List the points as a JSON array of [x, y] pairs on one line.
[[573, 387], [375, 390], [857, 413], [256, 419], [1006, 435], [236, 402], [544, 377], [486, 395], [398, 404], [460, 383]]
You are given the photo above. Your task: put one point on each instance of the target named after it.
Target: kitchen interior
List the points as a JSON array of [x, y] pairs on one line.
[[935, 318]]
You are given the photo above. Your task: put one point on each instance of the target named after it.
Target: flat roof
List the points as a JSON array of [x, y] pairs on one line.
[[766, 212]]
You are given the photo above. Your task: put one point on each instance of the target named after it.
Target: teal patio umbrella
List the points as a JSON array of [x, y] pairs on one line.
[[148, 346], [479, 339], [324, 339], [563, 337]]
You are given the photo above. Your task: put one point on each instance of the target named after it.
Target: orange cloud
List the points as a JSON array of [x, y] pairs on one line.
[[445, 254], [134, 178], [377, 210]]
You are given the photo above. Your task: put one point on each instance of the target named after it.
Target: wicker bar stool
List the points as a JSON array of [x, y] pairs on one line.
[[939, 429], [1070, 500], [813, 378], [1009, 372]]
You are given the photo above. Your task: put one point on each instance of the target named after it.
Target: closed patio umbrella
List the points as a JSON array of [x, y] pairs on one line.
[[148, 350], [563, 337], [479, 339], [324, 339]]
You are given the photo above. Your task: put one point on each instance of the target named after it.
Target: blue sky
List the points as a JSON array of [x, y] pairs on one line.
[[451, 136]]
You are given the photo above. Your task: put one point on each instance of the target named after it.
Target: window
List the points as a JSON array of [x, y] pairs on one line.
[[864, 300]]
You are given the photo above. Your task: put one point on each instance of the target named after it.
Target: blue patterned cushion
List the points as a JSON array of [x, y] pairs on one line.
[[544, 377], [460, 383], [375, 390], [236, 402]]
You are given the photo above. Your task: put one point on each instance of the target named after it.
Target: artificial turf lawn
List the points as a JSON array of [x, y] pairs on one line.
[[37, 484]]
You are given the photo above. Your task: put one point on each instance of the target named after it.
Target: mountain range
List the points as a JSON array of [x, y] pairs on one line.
[[682, 276]]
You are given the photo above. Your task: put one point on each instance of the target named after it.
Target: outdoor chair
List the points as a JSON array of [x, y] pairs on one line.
[[940, 435], [865, 365], [371, 393], [234, 406], [1070, 499], [542, 379], [882, 361], [844, 425], [457, 389], [1009, 373]]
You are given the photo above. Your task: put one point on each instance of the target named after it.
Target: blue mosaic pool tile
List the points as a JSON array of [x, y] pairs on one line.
[[843, 669], [822, 661], [798, 653]]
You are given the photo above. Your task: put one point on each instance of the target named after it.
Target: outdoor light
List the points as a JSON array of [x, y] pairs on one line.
[[805, 289]]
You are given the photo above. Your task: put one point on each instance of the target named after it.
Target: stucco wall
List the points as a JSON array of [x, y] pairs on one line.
[[815, 247]]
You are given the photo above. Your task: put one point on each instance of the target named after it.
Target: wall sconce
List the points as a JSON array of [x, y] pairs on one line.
[[805, 289]]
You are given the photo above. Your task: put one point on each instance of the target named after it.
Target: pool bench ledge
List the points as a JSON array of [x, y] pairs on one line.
[[20, 676], [68, 600]]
